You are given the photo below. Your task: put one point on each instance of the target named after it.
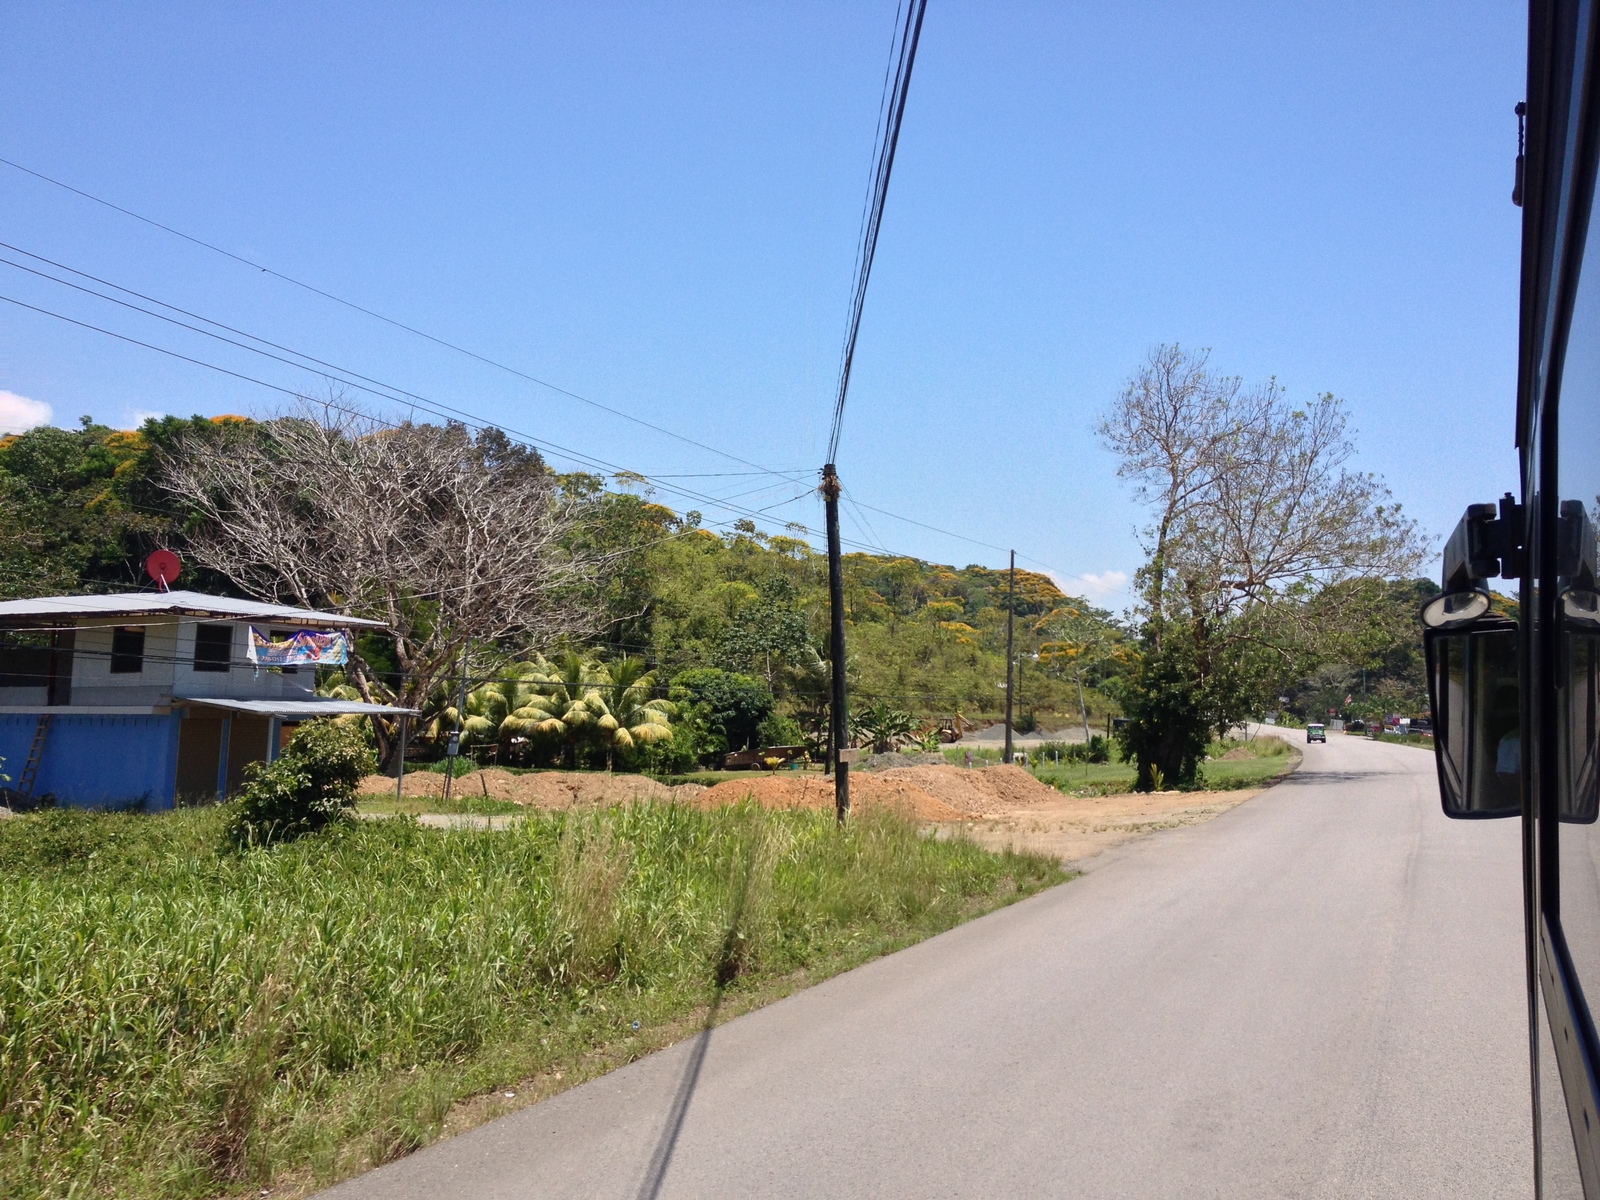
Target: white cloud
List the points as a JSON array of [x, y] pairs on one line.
[[140, 415], [18, 414], [1101, 584]]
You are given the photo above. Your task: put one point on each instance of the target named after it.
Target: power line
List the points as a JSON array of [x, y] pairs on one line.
[[387, 391], [378, 316], [794, 475], [910, 32], [437, 410], [329, 371]]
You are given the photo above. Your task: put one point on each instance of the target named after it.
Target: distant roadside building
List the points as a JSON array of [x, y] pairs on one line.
[[155, 698]]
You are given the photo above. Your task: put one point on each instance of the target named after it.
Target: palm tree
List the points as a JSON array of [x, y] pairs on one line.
[[557, 704], [498, 709], [623, 711], [337, 686]]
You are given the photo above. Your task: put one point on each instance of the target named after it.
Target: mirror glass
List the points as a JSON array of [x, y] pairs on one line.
[[1578, 794], [1477, 717], [1451, 607]]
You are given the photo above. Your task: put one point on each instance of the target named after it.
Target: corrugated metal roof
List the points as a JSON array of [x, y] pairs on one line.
[[189, 604], [300, 710]]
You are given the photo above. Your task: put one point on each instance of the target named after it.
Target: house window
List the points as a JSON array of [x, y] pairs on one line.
[[281, 635], [213, 647], [127, 650]]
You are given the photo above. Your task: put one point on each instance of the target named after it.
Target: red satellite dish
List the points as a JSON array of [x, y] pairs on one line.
[[163, 566]]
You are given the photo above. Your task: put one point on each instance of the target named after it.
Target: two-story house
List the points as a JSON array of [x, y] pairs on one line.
[[151, 697]]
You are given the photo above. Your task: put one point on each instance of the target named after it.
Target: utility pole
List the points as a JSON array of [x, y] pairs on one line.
[[454, 747], [1011, 631], [839, 712]]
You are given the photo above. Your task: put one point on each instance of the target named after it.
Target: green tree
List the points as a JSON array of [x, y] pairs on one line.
[[1168, 717], [559, 708], [768, 634], [310, 786], [728, 705]]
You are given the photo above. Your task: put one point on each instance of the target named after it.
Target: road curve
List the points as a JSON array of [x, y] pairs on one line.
[[1318, 993]]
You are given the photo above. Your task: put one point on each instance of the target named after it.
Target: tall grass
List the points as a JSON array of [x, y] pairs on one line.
[[176, 1021]]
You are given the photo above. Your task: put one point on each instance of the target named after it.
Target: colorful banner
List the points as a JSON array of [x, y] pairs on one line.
[[303, 648]]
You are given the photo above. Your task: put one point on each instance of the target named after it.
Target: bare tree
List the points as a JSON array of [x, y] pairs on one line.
[[1256, 512], [1253, 497], [441, 534], [1177, 429]]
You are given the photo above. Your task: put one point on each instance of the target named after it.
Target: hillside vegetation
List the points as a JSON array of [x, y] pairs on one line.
[[727, 630]]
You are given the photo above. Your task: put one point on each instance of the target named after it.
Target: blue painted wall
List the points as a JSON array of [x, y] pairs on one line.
[[89, 761]]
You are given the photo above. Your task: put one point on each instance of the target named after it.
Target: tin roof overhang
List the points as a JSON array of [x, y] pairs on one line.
[[298, 710], [188, 604]]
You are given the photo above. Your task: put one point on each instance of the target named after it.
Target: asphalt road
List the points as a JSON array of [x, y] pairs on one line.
[[1318, 993]]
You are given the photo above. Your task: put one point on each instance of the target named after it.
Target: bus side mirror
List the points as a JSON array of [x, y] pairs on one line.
[[1475, 688]]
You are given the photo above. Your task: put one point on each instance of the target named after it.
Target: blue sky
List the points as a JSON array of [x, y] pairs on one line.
[[656, 207]]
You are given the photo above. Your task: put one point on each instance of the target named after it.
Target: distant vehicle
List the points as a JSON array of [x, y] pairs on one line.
[[1316, 733], [1355, 726]]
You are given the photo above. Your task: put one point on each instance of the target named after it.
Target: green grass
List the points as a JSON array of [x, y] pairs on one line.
[[179, 1022], [1270, 758], [458, 803], [1396, 739]]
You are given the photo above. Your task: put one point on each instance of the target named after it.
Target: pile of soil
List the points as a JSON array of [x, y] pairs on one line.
[[986, 792], [816, 791], [925, 793], [540, 789]]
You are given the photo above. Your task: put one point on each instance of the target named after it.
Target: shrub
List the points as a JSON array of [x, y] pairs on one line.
[[311, 785], [779, 730], [729, 705], [1095, 750]]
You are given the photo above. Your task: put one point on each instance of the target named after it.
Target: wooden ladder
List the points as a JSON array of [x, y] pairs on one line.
[[30, 769]]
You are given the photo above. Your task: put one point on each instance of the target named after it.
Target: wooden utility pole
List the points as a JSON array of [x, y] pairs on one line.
[[1011, 658], [453, 748], [839, 711]]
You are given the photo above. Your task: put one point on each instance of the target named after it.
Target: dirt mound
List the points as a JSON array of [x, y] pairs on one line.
[[991, 791], [926, 793], [816, 791], [539, 789]]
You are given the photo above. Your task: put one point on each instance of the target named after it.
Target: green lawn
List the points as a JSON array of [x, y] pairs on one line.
[[413, 806], [1271, 758], [178, 1021], [1396, 739]]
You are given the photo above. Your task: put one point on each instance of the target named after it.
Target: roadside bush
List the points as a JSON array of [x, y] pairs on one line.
[[311, 785], [729, 709], [1095, 750], [779, 730]]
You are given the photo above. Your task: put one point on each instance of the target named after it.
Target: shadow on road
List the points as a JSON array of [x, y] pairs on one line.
[[1304, 777], [727, 970]]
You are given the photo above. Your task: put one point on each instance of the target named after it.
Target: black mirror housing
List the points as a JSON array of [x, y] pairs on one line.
[[1474, 684]]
